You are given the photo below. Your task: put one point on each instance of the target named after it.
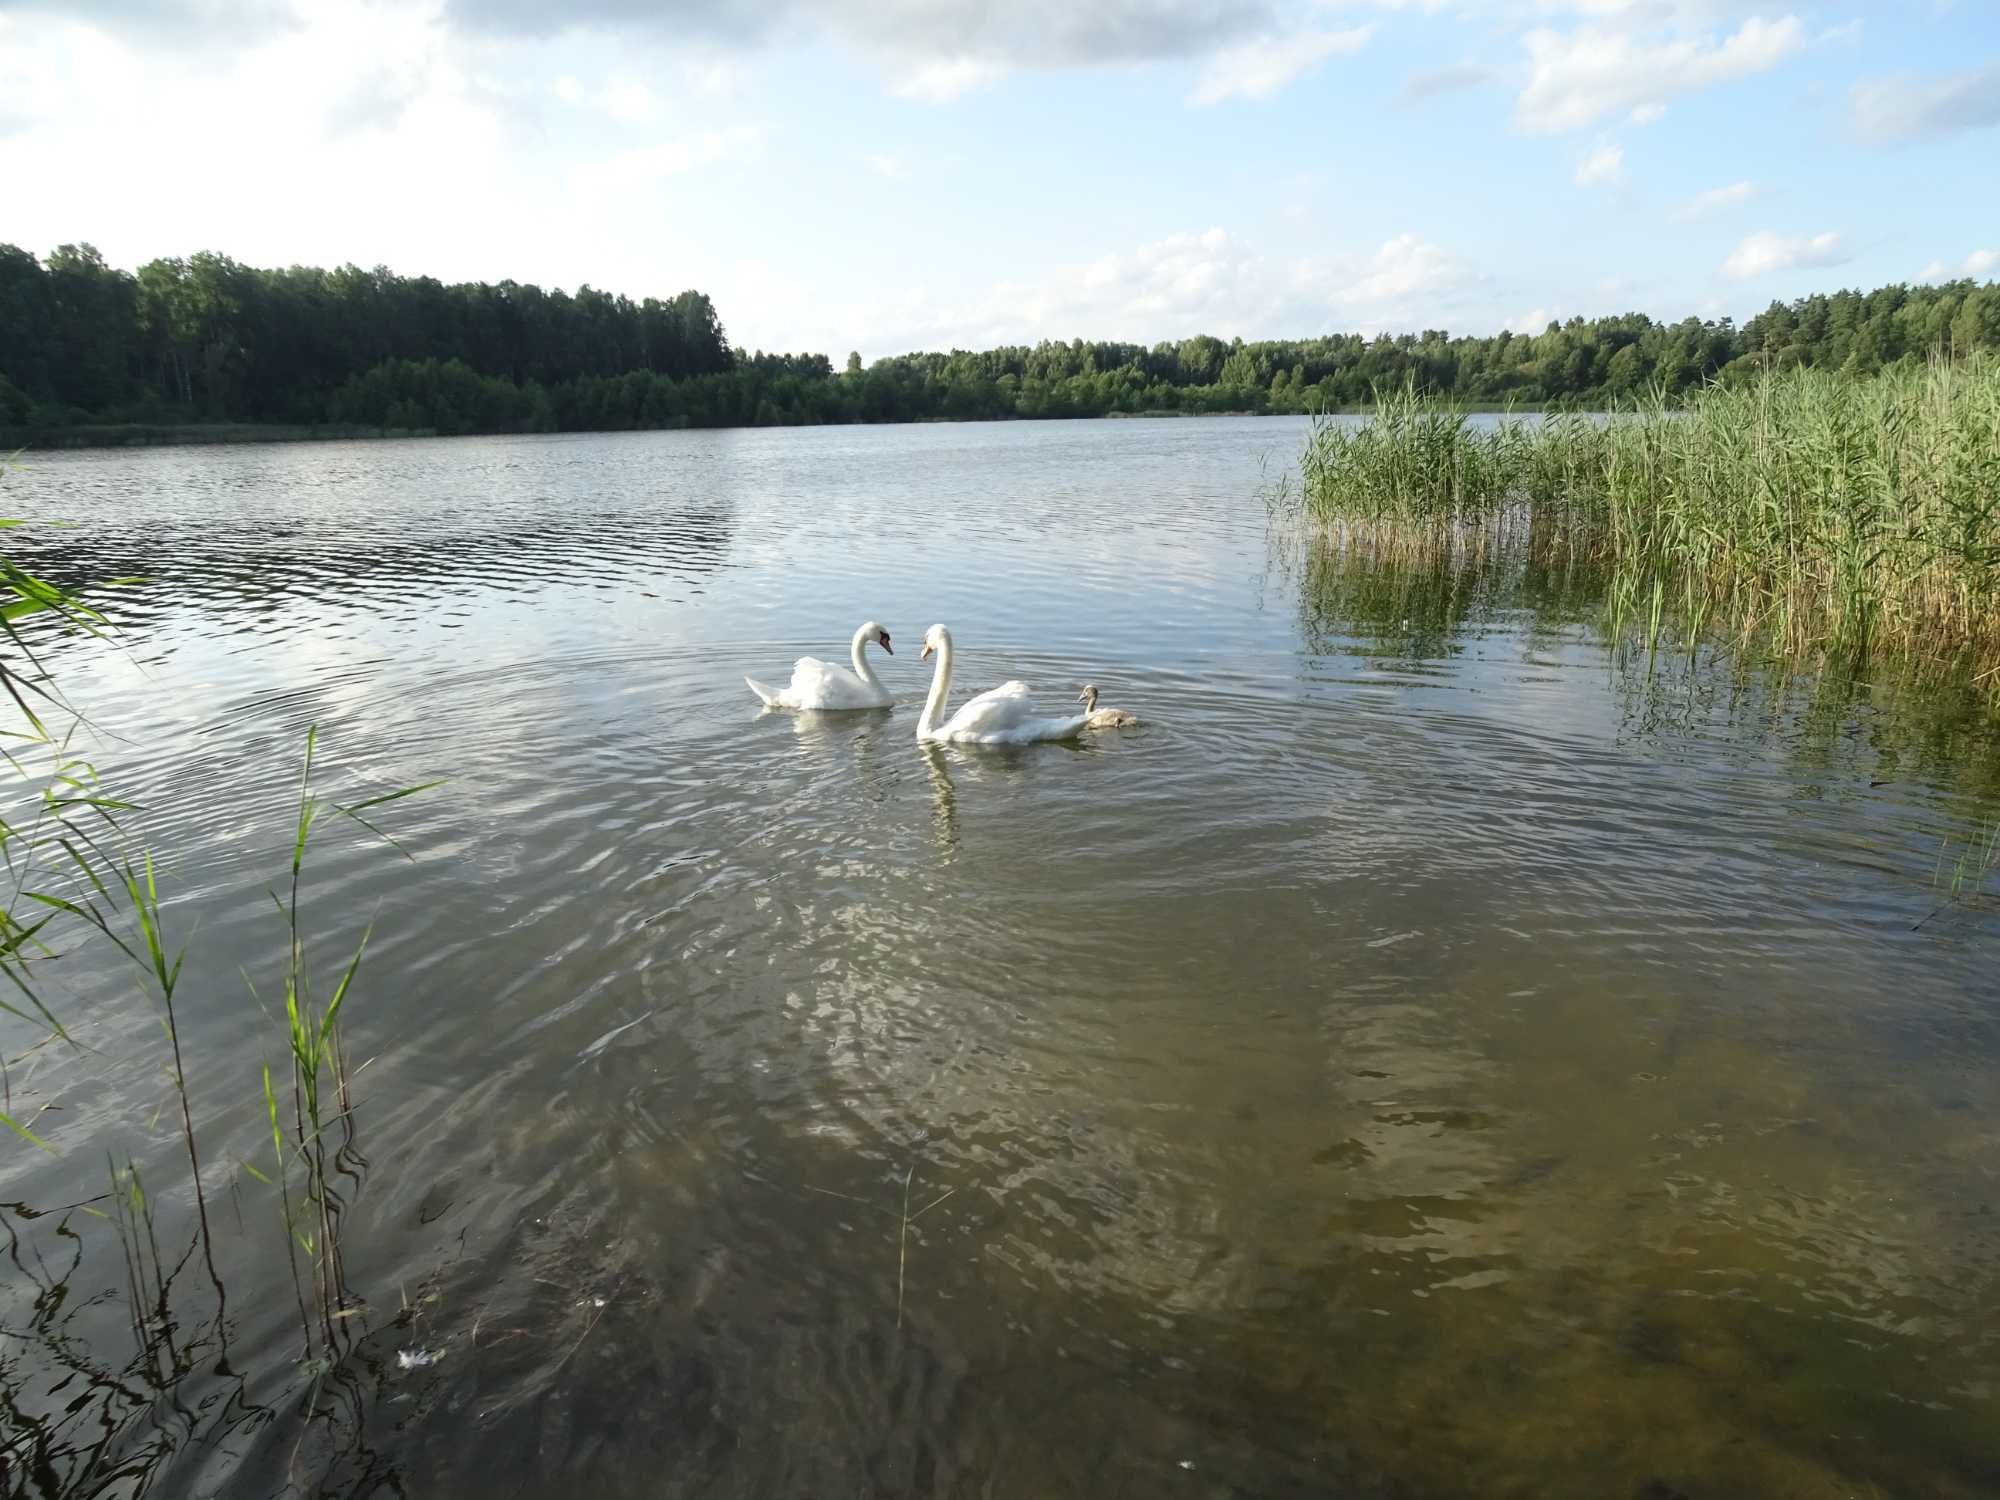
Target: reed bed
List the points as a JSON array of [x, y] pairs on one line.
[[1813, 509]]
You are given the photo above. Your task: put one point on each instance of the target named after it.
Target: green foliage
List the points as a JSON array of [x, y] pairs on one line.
[[65, 863], [68, 856], [73, 877], [1418, 458], [207, 339], [1979, 859], [53, 842], [1821, 510]]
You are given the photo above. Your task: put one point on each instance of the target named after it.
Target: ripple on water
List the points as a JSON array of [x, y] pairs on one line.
[[1403, 1041]]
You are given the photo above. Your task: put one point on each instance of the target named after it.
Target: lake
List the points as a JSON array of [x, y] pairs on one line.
[[1434, 1054]]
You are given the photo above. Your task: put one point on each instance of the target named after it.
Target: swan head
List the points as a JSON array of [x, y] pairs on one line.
[[1088, 697], [935, 639], [878, 635]]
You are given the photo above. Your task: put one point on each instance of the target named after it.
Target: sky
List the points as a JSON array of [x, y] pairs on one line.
[[886, 175]]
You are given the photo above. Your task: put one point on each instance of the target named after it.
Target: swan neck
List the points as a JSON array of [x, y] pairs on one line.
[[859, 653], [940, 690]]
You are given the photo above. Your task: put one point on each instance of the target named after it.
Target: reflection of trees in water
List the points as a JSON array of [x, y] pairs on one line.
[[1835, 725], [1424, 600], [260, 570], [1418, 600]]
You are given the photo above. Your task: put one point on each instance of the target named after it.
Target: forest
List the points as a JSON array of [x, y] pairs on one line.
[[87, 347]]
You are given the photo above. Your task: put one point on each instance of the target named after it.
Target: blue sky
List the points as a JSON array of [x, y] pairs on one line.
[[890, 174]]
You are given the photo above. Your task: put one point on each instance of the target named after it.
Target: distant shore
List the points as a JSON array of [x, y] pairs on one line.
[[191, 434], [171, 434]]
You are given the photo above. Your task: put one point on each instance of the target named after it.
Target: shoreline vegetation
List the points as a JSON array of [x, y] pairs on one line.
[[206, 349], [191, 434], [182, 1206], [194, 434], [1805, 512], [176, 434]]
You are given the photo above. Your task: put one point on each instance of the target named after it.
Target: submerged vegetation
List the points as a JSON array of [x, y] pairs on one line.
[[78, 870], [93, 353], [1810, 509]]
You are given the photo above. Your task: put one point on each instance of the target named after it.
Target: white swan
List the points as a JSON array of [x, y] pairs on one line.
[[819, 684], [1005, 716], [1102, 718]]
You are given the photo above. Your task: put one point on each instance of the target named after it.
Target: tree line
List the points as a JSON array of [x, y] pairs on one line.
[[207, 339], [210, 339]]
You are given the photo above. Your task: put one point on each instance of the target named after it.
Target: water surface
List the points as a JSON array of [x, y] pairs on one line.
[[1429, 1057]]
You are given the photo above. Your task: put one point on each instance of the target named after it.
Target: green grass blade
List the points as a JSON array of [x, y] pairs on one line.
[[340, 990], [26, 1134]]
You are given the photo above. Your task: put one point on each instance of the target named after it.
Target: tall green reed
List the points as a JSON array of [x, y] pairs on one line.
[[316, 1061], [59, 828], [1962, 882], [1816, 510]]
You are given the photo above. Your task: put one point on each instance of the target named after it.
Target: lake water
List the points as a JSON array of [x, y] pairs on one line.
[[1428, 1057]]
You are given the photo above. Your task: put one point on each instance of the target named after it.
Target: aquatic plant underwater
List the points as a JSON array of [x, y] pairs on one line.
[[79, 871]]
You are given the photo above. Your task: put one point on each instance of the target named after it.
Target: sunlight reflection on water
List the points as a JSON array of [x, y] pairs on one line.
[[1419, 1059]]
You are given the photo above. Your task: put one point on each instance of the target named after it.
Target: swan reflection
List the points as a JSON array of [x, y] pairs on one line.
[[944, 796]]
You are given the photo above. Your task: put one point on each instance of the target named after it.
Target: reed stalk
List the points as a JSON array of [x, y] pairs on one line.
[[1822, 512]]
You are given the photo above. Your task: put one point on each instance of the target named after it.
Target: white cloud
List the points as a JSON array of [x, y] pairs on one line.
[[1649, 114], [628, 101], [1765, 252], [940, 49], [1025, 33], [1259, 69], [1403, 269], [712, 77], [1977, 266], [1579, 77], [1433, 82], [355, 106], [1602, 166], [886, 164], [944, 79], [1717, 200], [1908, 108], [1193, 282], [645, 165]]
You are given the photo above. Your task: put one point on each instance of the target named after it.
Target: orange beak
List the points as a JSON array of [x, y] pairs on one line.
[[923, 654], [883, 639]]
